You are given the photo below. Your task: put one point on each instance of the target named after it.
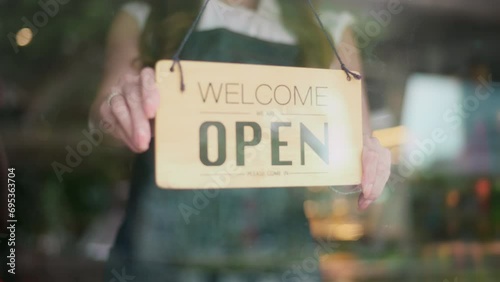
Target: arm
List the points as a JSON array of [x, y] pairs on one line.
[[376, 159], [127, 112]]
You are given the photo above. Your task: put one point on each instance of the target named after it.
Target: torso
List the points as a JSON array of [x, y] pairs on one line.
[[259, 225], [262, 21]]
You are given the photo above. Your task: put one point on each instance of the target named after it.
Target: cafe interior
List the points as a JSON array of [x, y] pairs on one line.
[[432, 77]]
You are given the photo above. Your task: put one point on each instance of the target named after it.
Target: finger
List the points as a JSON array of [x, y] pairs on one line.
[[140, 123], [121, 135], [383, 173], [382, 176], [113, 128], [107, 120], [120, 111], [363, 203], [150, 92], [370, 159]]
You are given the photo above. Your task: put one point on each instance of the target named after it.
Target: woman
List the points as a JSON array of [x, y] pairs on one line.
[[252, 234]]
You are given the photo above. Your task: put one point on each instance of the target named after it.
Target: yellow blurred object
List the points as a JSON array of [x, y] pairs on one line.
[[340, 208], [349, 231], [24, 37], [391, 137]]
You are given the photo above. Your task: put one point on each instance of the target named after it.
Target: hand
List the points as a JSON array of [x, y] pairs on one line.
[[134, 102], [376, 171]]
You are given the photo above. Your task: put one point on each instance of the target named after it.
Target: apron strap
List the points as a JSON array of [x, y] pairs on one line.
[[177, 61]]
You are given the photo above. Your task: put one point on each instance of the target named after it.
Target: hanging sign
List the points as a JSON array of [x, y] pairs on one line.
[[240, 125]]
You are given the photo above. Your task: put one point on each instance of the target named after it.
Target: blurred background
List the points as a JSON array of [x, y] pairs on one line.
[[430, 71]]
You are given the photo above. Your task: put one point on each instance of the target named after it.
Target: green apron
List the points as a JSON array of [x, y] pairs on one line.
[[245, 233]]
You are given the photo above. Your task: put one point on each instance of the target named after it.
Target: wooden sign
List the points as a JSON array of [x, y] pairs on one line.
[[239, 125]]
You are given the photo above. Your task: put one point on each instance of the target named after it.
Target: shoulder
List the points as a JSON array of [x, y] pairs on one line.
[[139, 11]]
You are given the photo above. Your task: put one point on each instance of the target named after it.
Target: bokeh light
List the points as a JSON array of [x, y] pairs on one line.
[[24, 37]]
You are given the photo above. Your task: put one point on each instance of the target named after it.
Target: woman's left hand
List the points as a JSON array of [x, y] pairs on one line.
[[376, 171]]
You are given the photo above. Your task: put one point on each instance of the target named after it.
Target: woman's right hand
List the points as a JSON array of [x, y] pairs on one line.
[[129, 108]]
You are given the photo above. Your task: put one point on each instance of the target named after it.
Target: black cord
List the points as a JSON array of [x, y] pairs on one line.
[[330, 41], [176, 59]]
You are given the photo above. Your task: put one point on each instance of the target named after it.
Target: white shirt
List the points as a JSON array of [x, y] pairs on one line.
[[263, 23]]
